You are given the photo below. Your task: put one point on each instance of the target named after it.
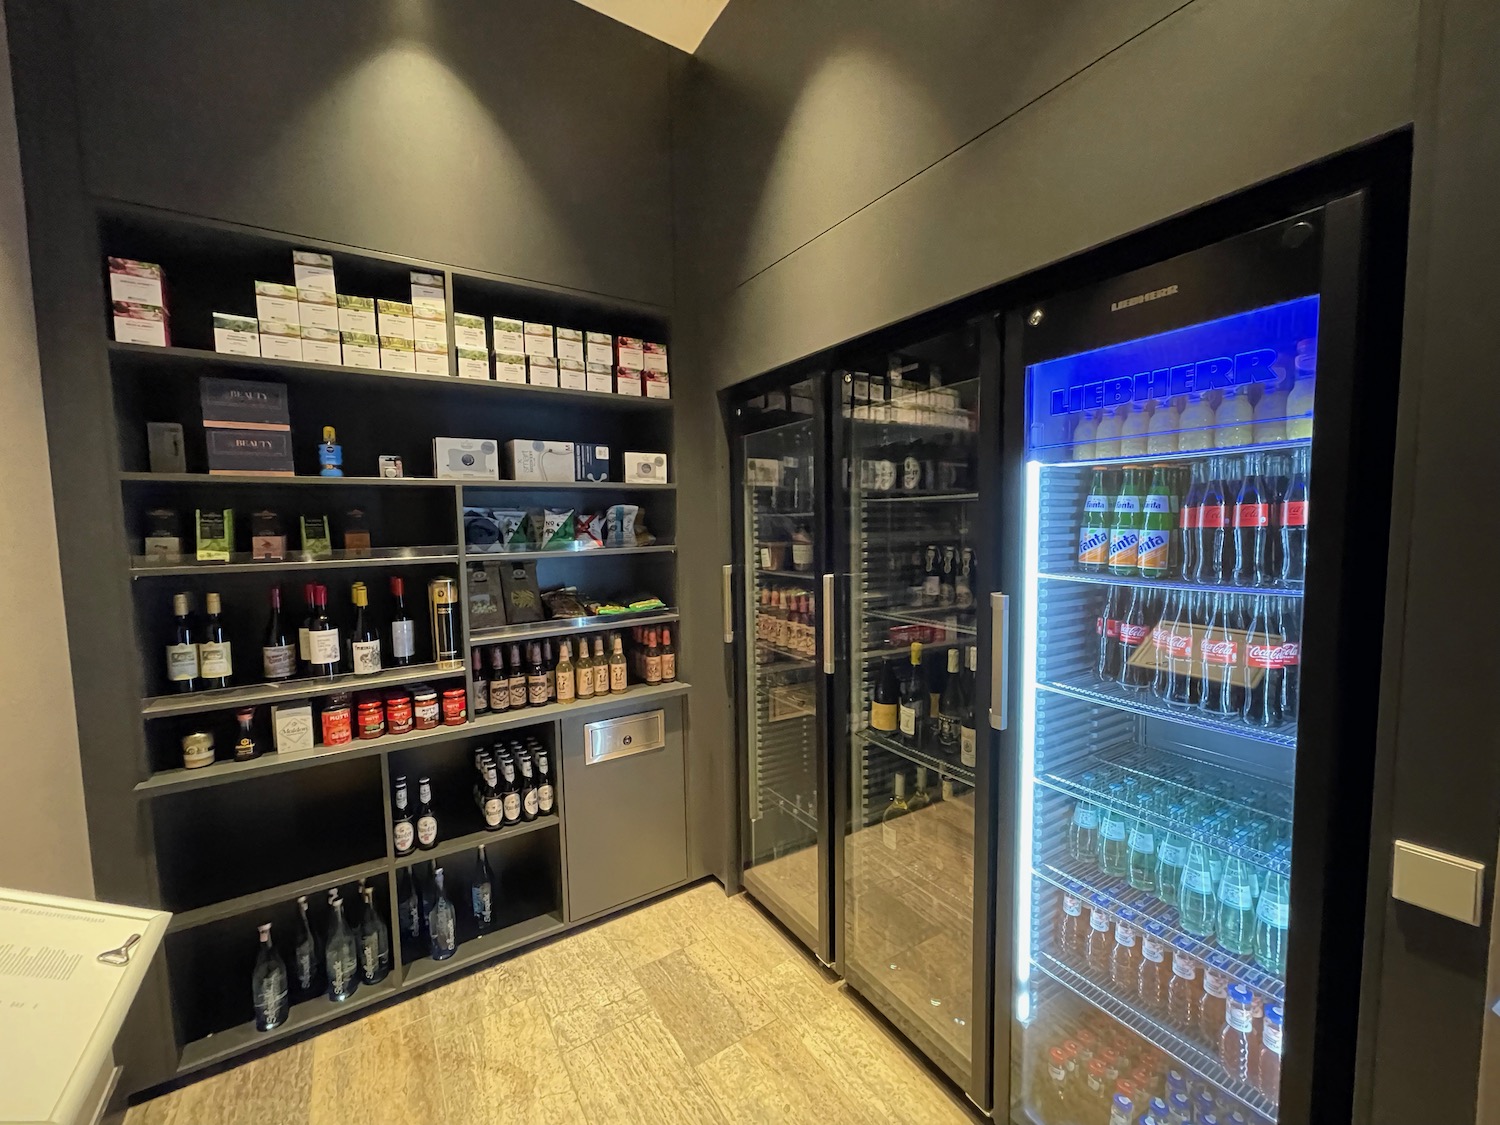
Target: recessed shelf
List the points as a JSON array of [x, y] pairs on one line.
[[467, 843], [217, 699], [568, 626], [477, 555], [271, 896], [482, 948], [148, 566]]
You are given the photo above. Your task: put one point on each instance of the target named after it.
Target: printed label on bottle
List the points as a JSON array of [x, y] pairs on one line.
[[1085, 816], [1124, 547], [366, 657], [885, 475], [966, 746], [1187, 517], [182, 662], [883, 716], [802, 555], [1215, 983], [1155, 503], [1184, 966], [1128, 503], [911, 474], [304, 967], [1294, 513], [1152, 949], [1093, 545], [1262, 655], [1096, 503], [544, 797], [1198, 881], [518, 692], [1154, 549], [1072, 907], [1143, 841], [1235, 896], [302, 643], [1275, 914], [1240, 1018], [1125, 935], [1289, 653], [404, 834], [403, 638], [279, 661], [908, 721], [426, 830], [1133, 635], [1211, 517], [1218, 652], [1252, 515], [529, 801], [493, 811], [536, 691], [1172, 855], [513, 807], [369, 956], [323, 646], [765, 559], [214, 659], [1098, 920], [341, 972], [481, 898], [1113, 828], [1270, 1036], [271, 999], [1059, 1074]]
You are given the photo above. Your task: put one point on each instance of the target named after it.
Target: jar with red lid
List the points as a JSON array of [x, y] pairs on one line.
[[398, 718], [425, 711], [337, 720], [371, 716], [455, 706]]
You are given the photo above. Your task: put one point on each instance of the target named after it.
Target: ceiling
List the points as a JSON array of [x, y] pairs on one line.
[[682, 23]]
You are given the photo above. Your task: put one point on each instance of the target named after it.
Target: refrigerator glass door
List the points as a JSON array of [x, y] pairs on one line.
[[1165, 493], [908, 846]]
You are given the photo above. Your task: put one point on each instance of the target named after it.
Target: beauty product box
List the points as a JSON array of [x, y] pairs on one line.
[[138, 283], [276, 303], [647, 468], [431, 359], [599, 348], [390, 466], [473, 364], [314, 271], [590, 462], [321, 345], [236, 335], [141, 324], [655, 357], [510, 335], [279, 340], [395, 320], [317, 310], [631, 352], [468, 332], [357, 314], [292, 727], [361, 349], [628, 381], [258, 453], [214, 534], [539, 340], [656, 384], [397, 354], [540, 460], [541, 371], [165, 447], [570, 376], [243, 404], [510, 367], [465, 459], [428, 296], [569, 344], [600, 377]]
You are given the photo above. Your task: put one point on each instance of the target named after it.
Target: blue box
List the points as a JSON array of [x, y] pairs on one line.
[[591, 462]]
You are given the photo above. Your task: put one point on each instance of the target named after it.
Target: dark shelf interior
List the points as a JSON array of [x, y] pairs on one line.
[[490, 297]]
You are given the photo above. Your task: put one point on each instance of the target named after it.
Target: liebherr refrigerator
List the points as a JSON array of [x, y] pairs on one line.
[[1191, 682]]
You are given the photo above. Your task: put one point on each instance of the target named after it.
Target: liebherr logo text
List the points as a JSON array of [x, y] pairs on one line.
[[1142, 298]]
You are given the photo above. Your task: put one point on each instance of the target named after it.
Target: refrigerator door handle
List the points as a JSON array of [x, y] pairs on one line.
[[728, 600], [827, 610], [999, 669]]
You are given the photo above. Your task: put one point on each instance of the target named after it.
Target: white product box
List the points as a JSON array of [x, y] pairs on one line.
[[292, 726], [280, 341], [465, 459], [395, 320], [321, 345], [628, 381], [645, 468], [599, 348], [137, 282], [357, 314], [657, 385], [276, 303], [317, 310], [397, 354], [468, 332], [361, 349], [314, 271], [473, 363], [632, 352], [656, 357], [600, 377], [427, 294], [510, 335], [430, 332], [540, 460], [570, 344], [570, 376], [541, 371], [429, 362], [510, 367], [539, 340], [236, 335]]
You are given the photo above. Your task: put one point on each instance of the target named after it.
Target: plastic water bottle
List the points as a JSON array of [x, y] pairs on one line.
[[1195, 897], [1161, 431], [1083, 436], [1133, 432], [1113, 844], [1272, 916], [1141, 859], [1107, 435]]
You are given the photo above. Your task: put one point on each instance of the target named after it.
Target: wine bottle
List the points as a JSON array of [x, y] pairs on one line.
[[951, 706], [567, 683], [304, 652], [885, 702], [323, 653], [374, 942], [182, 649], [364, 638], [427, 825], [536, 676], [967, 733], [403, 628], [668, 656], [278, 652], [482, 894], [618, 680], [442, 932], [268, 990], [215, 664], [913, 712], [403, 827], [340, 954], [308, 964]]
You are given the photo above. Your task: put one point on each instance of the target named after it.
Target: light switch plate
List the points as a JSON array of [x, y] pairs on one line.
[[1444, 884]]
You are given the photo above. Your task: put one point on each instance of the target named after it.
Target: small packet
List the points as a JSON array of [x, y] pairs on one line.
[[563, 602], [481, 531], [557, 529], [511, 525], [619, 525], [589, 530]]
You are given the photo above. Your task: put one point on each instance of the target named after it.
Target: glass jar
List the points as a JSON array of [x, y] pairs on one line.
[[455, 707], [425, 712], [371, 716], [398, 712], [338, 720], [197, 750]]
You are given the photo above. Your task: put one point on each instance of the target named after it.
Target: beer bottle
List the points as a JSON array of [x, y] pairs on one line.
[[1154, 555], [1093, 532], [1125, 527]]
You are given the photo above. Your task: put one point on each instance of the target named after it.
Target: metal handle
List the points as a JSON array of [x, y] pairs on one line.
[[728, 600], [999, 645], [826, 609]]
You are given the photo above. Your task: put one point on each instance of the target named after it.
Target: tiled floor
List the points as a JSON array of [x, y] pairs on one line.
[[694, 1009]]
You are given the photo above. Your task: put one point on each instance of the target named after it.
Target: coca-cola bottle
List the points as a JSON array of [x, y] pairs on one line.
[[1213, 525], [1294, 524], [1182, 686], [1252, 529], [1161, 645], [1263, 668], [1107, 625], [1135, 630], [1218, 651], [1289, 625], [1187, 526]]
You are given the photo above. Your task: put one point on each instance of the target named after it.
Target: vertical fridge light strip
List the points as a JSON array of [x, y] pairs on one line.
[[1025, 810]]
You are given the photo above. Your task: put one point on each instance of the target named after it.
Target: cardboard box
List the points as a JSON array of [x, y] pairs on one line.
[[214, 534], [569, 342], [541, 371], [570, 375], [465, 459], [314, 271], [163, 535], [276, 303], [540, 460], [429, 331], [428, 295], [317, 540], [468, 332], [236, 335], [321, 345], [267, 536], [473, 364], [317, 310], [361, 349], [243, 404], [292, 726], [165, 447], [137, 283], [628, 381], [510, 367], [657, 385], [397, 354], [600, 377], [280, 341], [655, 357], [650, 468], [357, 314], [428, 362], [539, 340], [630, 352], [510, 335], [141, 324], [599, 348], [395, 320], [257, 453], [590, 462]]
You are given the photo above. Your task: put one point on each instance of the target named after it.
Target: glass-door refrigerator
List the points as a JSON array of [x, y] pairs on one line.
[[1186, 715]]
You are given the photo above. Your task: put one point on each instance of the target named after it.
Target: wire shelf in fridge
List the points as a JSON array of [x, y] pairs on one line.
[[917, 497], [945, 767], [929, 617], [1200, 1061], [1142, 703], [1107, 579]]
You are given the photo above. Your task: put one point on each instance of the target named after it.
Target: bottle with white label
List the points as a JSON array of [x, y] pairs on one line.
[[1133, 431], [967, 733], [802, 548], [1272, 916], [546, 796], [403, 628], [1107, 436], [182, 649], [1084, 434], [278, 650], [1161, 431], [323, 654], [427, 825], [215, 663], [1235, 419], [1195, 425], [510, 790], [403, 827], [1236, 928], [364, 638], [1299, 401]]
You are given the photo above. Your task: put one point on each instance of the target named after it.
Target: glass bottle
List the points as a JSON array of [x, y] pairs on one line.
[[340, 954], [1100, 944], [1170, 856], [408, 905], [567, 684], [183, 669], [1083, 828], [1114, 847], [482, 893], [306, 962], [364, 638], [530, 801], [1141, 855], [617, 671], [374, 942], [427, 824], [215, 661], [510, 789], [1196, 903], [517, 679], [1272, 917], [1236, 1034], [536, 676], [895, 809], [442, 933], [268, 988], [546, 795], [403, 826], [1236, 926]]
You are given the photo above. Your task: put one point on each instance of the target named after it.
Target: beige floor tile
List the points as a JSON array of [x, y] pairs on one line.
[[770, 1075], [368, 1026], [505, 1069], [651, 932], [391, 1078], [276, 1087], [794, 989], [635, 1075], [481, 993], [702, 1000], [585, 987], [595, 1015], [744, 935]]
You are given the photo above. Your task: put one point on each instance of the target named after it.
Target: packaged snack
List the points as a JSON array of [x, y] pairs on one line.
[[557, 529], [564, 602], [619, 525], [589, 530]]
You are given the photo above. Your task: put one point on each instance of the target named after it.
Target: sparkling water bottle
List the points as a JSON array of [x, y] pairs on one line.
[[1083, 829], [1113, 842], [1170, 855], [1141, 852], [1195, 897], [1272, 916], [1237, 908]]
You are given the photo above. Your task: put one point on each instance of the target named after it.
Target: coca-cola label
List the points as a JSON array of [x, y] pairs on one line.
[[1294, 513], [1252, 515], [1133, 635], [1093, 546], [1218, 652], [1112, 627], [1124, 547], [1187, 516], [1096, 503], [1156, 503], [1153, 550], [1261, 655], [1178, 646], [1212, 516], [1289, 653]]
